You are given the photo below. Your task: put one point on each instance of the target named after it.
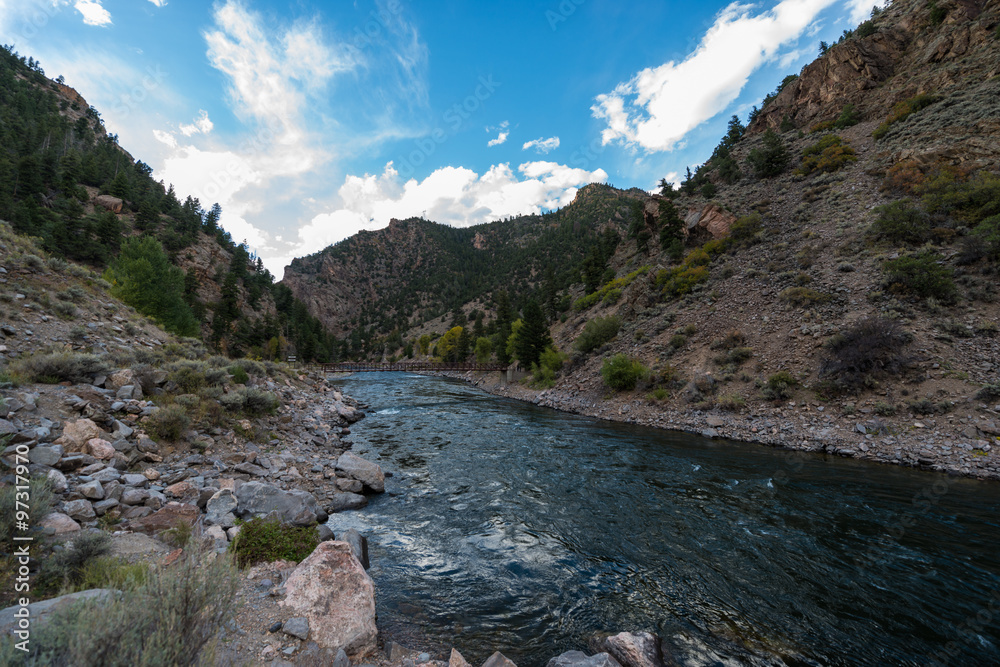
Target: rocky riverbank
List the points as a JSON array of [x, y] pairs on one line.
[[962, 443]]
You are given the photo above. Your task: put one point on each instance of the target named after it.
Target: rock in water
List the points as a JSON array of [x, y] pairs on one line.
[[581, 659], [457, 660], [498, 659], [366, 472], [359, 545], [332, 590], [635, 649]]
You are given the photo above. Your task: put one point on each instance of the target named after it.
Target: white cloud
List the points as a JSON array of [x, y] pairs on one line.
[[542, 145], [451, 195], [165, 138], [159, 3], [659, 106], [93, 13], [499, 140], [861, 9], [201, 125]]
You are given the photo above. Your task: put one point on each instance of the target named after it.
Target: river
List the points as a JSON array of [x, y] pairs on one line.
[[522, 529]]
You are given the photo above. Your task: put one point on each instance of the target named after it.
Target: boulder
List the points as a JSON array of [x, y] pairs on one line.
[[349, 485], [332, 590], [81, 510], [77, 433], [167, 517], [340, 502], [359, 545], [134, 496], [107, 202], [119, 379], [581, 659], [635, 649], [58, 481], [100, 449], [46, 456], [129, 392], [260, 499], [91, 490], [457, 660], [498, 659], [218, 535], [712, 219], [40, 612], [106, 475], [296, 627], [100, 508], [368, 473], [220, 507], [133, 479], [58, 523]]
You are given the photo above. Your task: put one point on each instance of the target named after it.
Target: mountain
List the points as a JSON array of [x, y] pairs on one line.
[[70, 184]]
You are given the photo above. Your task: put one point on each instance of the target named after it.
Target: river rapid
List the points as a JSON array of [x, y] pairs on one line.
[[521, 529]]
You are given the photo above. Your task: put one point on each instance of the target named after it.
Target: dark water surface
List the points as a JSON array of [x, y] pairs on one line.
[[527, 530]]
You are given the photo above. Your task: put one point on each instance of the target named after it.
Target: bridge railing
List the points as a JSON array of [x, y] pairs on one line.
[[369, 367]]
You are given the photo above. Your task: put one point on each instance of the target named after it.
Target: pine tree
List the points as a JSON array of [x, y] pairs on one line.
[[533, 337]]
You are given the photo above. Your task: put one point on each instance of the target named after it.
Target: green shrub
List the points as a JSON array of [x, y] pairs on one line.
[[170, 619], [250, 401], [264, 540], [254, 368], [239, 375], [920, 275], [622, 373], [58, 367], [971, 200], [803, 296], [731, 402], [64, 570], [549, 363], [902, 110], [596, 333], [40, 493], [611, 297], [618, 284], [858, 356], [168, 423], [745, 231], [769, 160], [188, 375], [657, 395], [779, 386], [938, 13], [989, 392], [827, 155], [848, 117], [681, 279], [901, 222]]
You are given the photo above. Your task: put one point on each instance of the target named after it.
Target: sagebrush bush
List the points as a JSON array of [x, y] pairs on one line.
[[40, 492], [803, 296], [170, 619], [989, 392], [64, 570], [903, 110], [250, 401], [596, 333], [622, 373], [746, 229], [901, 222], [779, 386], [188, 375], [57, 367], [920, 275], [869, 349], [264, 540], [239, 375], [828, 154], [252, 367], [168, 423]]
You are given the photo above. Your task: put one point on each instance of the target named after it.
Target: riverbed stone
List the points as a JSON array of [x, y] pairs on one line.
[[359, 545], [91, 490], [457, 659], [332, 590], [46, 456], [58, 523], [635, 649], [581, 659], [368, 473], [498, 659], [340, 502]]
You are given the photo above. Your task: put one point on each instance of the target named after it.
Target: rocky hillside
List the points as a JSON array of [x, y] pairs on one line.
[[67, 182], [415, 270]]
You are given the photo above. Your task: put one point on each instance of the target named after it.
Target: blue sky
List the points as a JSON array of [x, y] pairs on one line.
[[309, 121]]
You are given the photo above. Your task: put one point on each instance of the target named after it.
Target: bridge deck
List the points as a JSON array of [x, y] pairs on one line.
[[369, 367]]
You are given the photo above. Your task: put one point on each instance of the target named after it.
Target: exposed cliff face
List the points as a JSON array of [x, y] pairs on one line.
[[908, 55]]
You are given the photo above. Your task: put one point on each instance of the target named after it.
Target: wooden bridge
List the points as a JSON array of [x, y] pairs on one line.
[[405, 366]]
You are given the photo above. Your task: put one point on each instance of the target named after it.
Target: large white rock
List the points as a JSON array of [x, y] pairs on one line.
[[368, 473], [333, 591]]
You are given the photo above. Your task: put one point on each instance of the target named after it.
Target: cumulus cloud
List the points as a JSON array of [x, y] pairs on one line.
[[451, 195], [165, 138], [861, 9], [159, 3], [542, 145], [93, 12], [499, 140], [659, 106], [201, 125]]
